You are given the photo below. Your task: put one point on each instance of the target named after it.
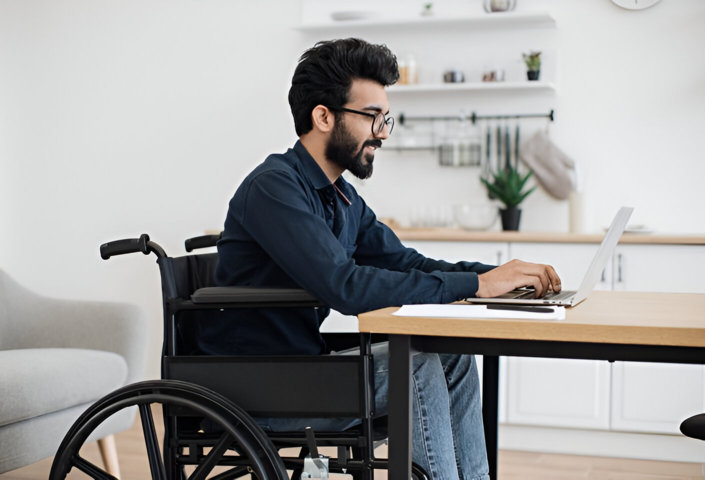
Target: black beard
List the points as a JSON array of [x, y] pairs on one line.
[[342, 150]]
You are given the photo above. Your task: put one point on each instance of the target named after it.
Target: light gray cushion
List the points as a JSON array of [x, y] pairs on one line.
[[37, 381], [32, 440]]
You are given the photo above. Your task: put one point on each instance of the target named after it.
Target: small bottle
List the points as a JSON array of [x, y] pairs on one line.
[[413, 73], [403, 72]]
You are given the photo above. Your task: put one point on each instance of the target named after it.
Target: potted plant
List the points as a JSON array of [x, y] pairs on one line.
[[507, 185], [533, 64]]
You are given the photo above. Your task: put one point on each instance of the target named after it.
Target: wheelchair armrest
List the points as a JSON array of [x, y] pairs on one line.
[[339, 341], [255, 296]]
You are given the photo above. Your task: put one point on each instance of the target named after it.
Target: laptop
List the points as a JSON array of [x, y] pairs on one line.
[[569, 298]]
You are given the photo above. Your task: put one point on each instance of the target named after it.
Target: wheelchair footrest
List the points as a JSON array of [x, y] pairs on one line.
[[315, 465]]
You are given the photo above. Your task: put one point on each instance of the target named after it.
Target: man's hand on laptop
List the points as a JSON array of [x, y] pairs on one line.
[[517, 274]]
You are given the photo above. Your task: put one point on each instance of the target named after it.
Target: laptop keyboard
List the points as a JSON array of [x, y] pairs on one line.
[[549, 296], [558, 296]]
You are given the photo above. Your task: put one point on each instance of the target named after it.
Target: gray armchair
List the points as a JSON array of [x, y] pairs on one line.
[[56, 358]]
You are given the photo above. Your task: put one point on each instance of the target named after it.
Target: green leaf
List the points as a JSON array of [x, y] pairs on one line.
[[507, 185]]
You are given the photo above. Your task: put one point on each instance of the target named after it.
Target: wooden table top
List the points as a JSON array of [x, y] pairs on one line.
[[675, 319]]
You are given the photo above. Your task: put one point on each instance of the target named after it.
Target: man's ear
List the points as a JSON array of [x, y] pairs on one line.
[[323, 119]]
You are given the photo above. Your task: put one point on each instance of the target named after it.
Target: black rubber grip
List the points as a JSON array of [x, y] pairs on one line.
[[204, 241], [125, 246]]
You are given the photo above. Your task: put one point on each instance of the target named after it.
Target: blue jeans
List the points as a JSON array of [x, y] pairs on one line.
[[448, 435]]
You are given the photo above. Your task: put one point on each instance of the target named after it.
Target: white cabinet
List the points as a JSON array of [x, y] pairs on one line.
[[643, 397], [625, 396], [659, 268], [558, 393], [651, 397]]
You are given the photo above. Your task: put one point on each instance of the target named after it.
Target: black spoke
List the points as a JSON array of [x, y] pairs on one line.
[[211, 460], [156, 465], [91, 469], [236, 472]]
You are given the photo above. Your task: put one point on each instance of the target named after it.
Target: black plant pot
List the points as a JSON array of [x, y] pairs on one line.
[[533, 74], [510, 218]]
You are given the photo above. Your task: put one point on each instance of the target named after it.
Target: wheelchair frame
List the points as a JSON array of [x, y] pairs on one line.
[[193, 387]]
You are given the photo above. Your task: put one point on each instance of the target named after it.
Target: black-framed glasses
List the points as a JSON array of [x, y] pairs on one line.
[[379, 120]]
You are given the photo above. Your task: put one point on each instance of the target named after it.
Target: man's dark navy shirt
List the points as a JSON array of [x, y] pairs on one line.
[[288, 226]]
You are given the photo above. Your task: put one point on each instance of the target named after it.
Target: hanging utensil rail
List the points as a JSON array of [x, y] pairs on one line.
[[473, 117]]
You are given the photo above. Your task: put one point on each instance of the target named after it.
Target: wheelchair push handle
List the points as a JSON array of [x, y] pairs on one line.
[[131, 245], [204, 241]]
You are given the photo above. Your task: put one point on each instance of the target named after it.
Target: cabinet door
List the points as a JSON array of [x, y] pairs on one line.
[[660, 268], [653, 397], [559, 392]]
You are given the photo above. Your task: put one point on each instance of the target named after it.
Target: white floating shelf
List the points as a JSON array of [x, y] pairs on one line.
[[471, 86], [481, 20]]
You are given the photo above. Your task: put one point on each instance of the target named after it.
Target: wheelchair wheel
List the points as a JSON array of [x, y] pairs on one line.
[[238, 433]]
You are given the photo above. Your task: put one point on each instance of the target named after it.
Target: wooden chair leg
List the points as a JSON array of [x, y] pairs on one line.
[[108, 452]]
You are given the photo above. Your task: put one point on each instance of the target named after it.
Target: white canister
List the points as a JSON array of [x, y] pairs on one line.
[[576, 212]]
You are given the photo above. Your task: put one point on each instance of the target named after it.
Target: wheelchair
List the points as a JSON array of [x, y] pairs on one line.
[[208, 401]]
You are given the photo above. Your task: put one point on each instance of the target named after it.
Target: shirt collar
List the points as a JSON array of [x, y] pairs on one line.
[[314, 173], [317, 177]]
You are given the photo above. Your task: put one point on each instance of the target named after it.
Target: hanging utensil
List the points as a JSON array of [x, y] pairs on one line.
[[507, 150], [516, 146], [487, 164], [499, 148]]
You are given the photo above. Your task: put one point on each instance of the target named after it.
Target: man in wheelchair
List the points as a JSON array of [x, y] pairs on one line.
[[295, 222]]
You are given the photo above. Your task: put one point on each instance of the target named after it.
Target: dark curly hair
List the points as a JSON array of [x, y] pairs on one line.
[[325, 73]]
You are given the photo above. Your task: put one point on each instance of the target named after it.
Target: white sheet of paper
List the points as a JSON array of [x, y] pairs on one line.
[[475, 311]]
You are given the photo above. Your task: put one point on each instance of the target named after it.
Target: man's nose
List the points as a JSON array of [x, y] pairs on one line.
[[384, 133]]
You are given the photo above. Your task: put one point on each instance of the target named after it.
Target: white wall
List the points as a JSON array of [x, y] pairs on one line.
[[118, 118]]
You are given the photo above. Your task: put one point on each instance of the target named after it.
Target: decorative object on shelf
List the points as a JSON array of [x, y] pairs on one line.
[[427, 9], [492, 6], [408, 73], [635, 4], [349, 15], [507, 185], [453, 76], [496, 75], [533, 64]]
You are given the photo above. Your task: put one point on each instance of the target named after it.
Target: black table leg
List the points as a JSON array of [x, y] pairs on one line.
[[399, 406], [490, 399]]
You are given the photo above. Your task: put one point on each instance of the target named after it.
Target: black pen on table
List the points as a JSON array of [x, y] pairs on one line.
[[520, 308]]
